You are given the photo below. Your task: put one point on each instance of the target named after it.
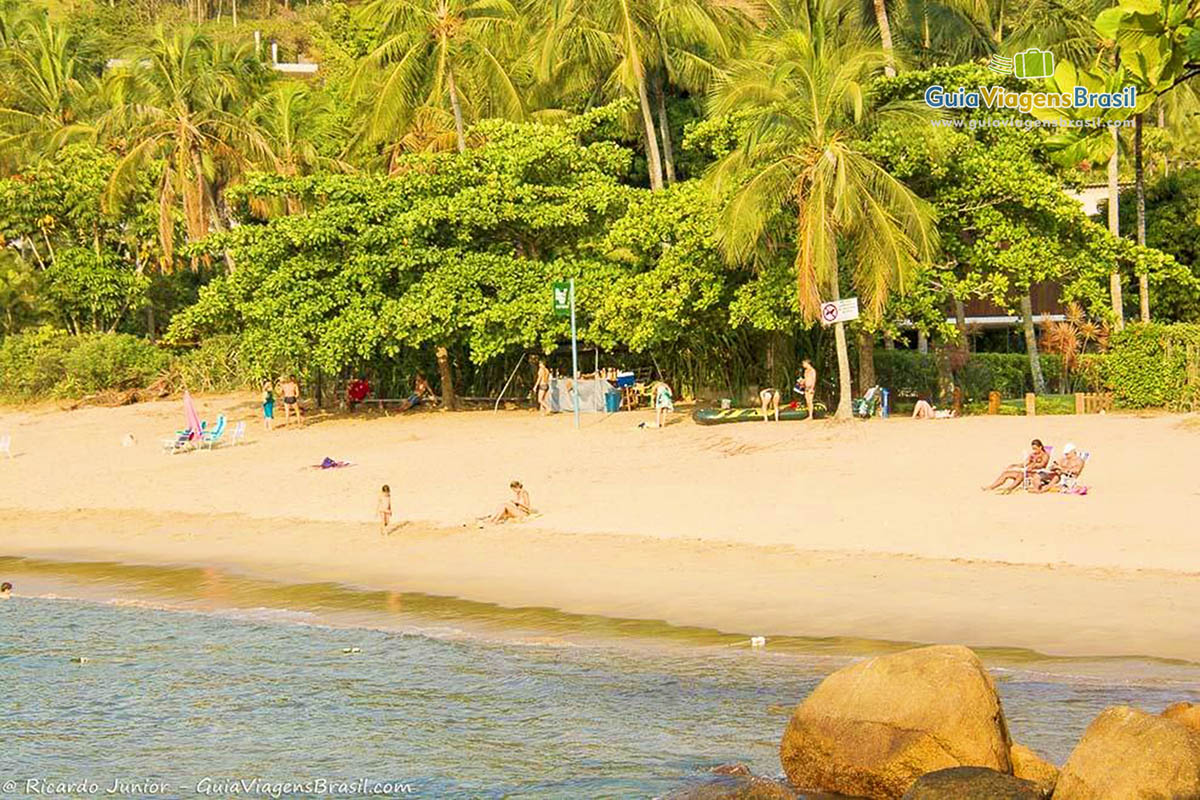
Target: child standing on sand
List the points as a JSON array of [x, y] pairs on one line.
[[268, 404], [384, 509]]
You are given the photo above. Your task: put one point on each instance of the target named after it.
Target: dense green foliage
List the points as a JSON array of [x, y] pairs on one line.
[[707, 171], [1155, 366]]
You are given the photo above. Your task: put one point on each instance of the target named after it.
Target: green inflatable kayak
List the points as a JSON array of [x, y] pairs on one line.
[[719, 416]]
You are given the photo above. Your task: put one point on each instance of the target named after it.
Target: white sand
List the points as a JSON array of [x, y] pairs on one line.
[[870, 529]]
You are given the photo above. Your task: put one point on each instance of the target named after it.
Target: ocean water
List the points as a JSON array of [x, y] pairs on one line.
[[184, 682]]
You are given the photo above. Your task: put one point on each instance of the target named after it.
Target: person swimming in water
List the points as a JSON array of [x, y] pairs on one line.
[[5, 590]]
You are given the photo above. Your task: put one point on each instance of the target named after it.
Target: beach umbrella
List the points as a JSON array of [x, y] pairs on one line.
[[189, 413]]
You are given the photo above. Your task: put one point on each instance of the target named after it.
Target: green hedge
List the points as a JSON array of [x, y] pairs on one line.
[[1154, 366], [51, 363], [910, 374]]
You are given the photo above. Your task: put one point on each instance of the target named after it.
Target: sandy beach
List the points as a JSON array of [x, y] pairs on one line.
[[867, 529]]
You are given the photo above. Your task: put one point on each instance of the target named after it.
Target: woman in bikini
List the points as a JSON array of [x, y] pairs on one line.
[[517, 508], [1038, 459]]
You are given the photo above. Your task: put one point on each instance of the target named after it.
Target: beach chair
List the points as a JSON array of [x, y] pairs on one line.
[[868, 405], [6, 445], [1067, 483], [209, 438], [238, 435], [182, 440]]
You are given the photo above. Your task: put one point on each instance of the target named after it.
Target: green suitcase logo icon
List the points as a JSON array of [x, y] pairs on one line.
[[1033, 63]]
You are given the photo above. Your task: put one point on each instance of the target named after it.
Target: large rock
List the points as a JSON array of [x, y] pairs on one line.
[[1030, 766], [873, 728], [971, 783], [1187, 713], [1126, 754], [735, 787]]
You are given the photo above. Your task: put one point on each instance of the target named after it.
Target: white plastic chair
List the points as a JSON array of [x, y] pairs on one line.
[[6, 445], [238, 435]]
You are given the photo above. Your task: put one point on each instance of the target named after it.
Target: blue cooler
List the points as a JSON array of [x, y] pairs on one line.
[[624, 379]]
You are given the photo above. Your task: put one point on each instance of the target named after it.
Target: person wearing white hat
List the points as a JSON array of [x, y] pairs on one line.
[[1069, 463]]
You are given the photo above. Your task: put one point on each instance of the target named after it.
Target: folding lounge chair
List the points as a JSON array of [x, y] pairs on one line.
[[1067, 482], [182, 440], [239, 434], [210, 438], [868, 404]]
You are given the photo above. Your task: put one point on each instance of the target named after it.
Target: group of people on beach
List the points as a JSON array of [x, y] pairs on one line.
[[289, 389], [517, 507], [1038, 474], [805, 386]]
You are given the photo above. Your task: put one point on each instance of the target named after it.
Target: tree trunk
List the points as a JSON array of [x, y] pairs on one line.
[[845, 409], [1035, 363], [885, 38], [664, 130], [1140, 183], [866, 360], [653, 158], [235, 20], [960, 323], [446, 373], [1114, 227], [458, 116]]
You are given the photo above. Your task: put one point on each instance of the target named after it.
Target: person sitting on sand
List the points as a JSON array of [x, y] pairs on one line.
[[1070, 463], [517, 508], [384, 508], [770, 400], [1038, 459], [5, 590]]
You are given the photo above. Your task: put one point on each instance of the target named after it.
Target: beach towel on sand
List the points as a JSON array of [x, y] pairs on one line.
[[329, 463]]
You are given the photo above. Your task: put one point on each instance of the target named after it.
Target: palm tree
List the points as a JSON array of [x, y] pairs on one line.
[[631, 47], [44, 91], [181, 100], [295, 125], [809, 106], [432, 52]]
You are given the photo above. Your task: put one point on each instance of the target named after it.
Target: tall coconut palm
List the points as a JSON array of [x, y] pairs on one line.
[[435, 52], [45, 89], [810, 104], [181, 100], [296, 128], [634, 48]]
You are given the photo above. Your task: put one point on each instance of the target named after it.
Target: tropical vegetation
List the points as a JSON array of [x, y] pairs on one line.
[[403, 189]]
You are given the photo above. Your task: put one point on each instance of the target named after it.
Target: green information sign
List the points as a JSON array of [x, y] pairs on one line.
[[562, 299]]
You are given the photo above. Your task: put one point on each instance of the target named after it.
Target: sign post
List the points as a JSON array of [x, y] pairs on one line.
[[836, 311], [564, 305]]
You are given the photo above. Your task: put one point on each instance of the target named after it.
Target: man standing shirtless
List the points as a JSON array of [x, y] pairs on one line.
[[291, 400], [807, 383]]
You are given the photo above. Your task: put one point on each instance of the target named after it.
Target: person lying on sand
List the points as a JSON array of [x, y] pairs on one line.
[[516, 508], [1038, 459], [923, 410], [1069, 463]]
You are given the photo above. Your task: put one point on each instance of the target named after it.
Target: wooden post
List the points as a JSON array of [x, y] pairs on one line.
[[1079, 406], [1030, 404], [993, 402]]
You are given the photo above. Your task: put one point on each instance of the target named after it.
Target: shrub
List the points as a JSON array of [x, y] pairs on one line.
[[110, 361], [217, 365], [1155, 366], [909, 374], [33, 363], [51, 363]]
